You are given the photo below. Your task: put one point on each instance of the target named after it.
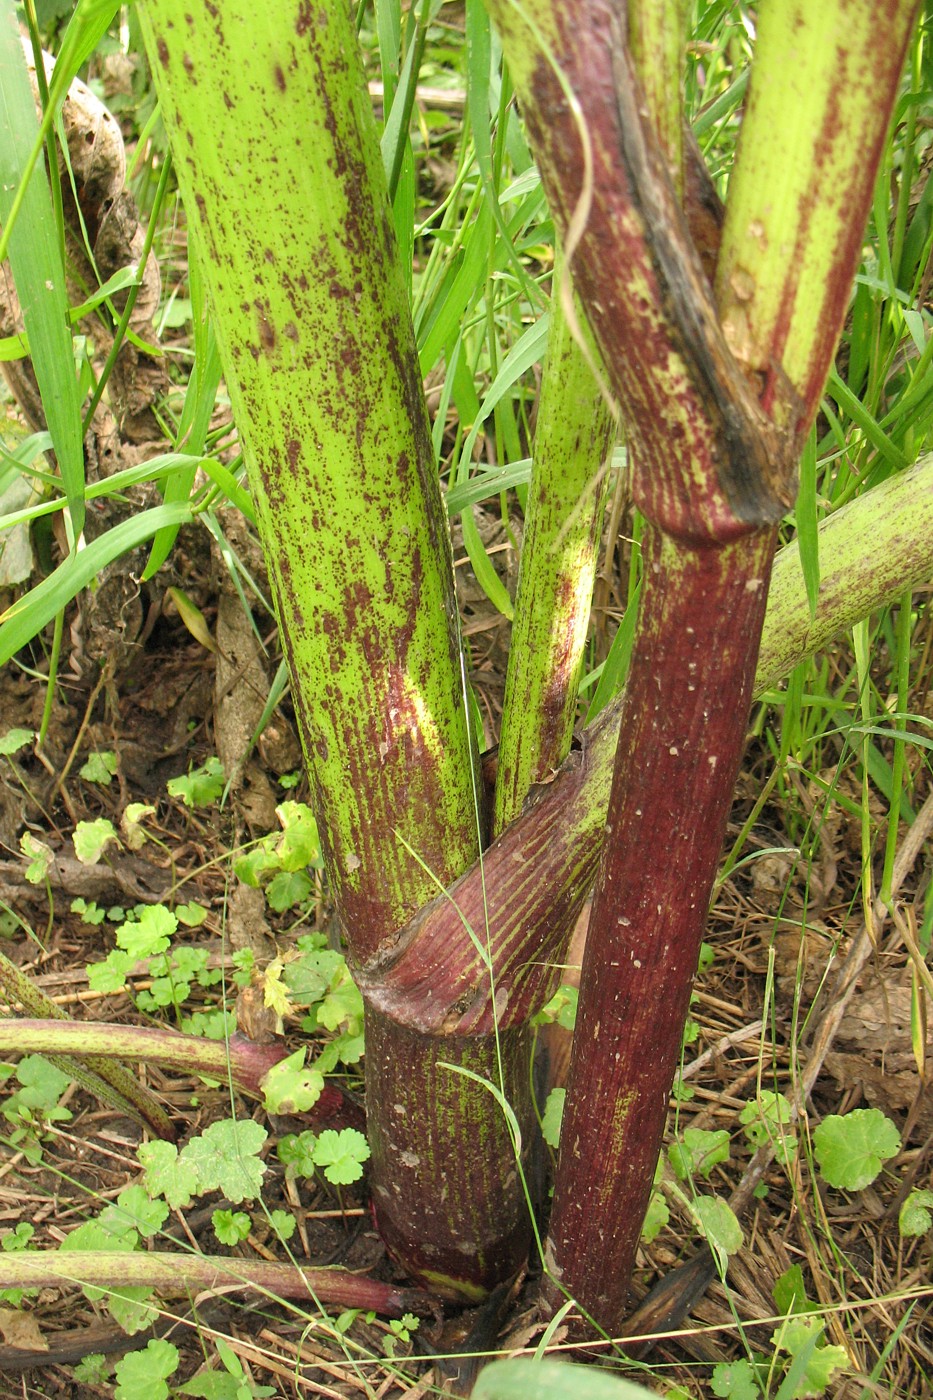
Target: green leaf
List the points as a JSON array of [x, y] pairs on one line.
[[718, 1224], [346, 1048], [115, 1238], [769, 1119], [790, 1294], [17, 1238], [192, 915], [110, 975], [43, 1083], [39, 855], [562, 1008], [341, 1155], [524, 1379], [202, 787], [148, 935], [290, 1086], [916, 1214], [141, 1375], [36, 260], [231, 1226], [299, 844], [850, 1150], [128, 1306], [90, 914], [343, 1004], [224, 1157], [821, 1368], [137, 1210], [283, 1223], [296, 1152], [93, 1369], [735, 1380], [130, 824], [309, 976], [552, 1116], [699, 1153], [218, 1385], [656, 1217], [813, 1364], [615, 667], [166, 1174], [91, 839], [288, 888], [100, 768], [15, 739]]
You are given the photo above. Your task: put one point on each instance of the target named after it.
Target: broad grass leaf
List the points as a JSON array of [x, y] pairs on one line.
[[29, 614], [36, 259]]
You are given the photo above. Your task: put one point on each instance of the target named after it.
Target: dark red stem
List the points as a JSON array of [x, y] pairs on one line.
[[682, 735]]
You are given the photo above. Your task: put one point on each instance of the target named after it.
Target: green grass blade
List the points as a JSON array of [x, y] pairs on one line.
[[847, 401], [488, 482], [479, 59], [36, 259], [807, 523], [395, 138], [133, 476], [21, 622], [200, 397], [527, 351], [615, 667]]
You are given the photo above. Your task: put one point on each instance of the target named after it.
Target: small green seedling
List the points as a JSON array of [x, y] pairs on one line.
[[769, 1119], [916, 1214], [10, 1242], [201, 787], [93, 1369], [231, 1226], [400, 1330], [851, 1150], [280, 861], [340, 1154], [39, 855], [91, 839], [90, 914], [100, 767], [698, 1152], [802, 1363], [35, 1105], [142, 1375]]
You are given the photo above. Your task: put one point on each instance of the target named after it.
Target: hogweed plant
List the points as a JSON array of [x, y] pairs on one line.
[[705, 336]]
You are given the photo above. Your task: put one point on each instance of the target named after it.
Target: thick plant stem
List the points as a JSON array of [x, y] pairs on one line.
[[175, 1274], [537, 875], [656, 40], [279, 166], [563, 521], [681, 739], [312, 320], [109, 1083], [476, 1144], [715, 397], [826, 77]]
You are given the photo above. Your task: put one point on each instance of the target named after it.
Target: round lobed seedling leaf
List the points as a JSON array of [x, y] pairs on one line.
[[851, 1150]]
